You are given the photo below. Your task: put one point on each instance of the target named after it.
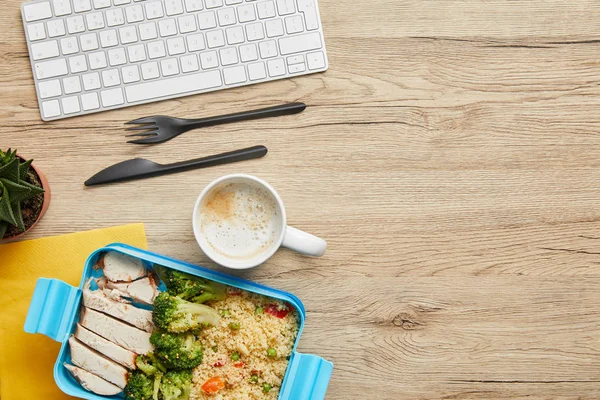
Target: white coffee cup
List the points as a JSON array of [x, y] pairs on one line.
[[239, 222]]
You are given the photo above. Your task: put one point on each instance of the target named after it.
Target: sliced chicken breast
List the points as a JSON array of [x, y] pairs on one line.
[[98, 300], [94, 362], [116, 331], [103, 346], [122, 268], [142, 291], [92, 382]]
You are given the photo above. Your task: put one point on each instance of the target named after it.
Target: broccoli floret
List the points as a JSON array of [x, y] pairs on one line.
[[149, 364], [177, 350], [139, 387], [174, 314], [176, 385], [190, 287]]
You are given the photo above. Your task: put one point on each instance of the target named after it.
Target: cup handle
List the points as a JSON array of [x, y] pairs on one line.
[[303, 242]]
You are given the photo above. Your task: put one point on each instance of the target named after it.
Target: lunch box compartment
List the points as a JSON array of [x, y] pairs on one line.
[[54, 311]]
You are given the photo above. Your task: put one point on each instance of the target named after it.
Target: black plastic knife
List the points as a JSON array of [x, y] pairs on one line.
[[140, 168]]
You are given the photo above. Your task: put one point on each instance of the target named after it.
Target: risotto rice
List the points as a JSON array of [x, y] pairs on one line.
[[248, 351]]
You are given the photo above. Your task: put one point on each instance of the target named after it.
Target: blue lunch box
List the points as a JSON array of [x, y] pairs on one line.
[[54, 311]]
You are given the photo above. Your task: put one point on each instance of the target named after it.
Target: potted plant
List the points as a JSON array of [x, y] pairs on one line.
[[24, 195]]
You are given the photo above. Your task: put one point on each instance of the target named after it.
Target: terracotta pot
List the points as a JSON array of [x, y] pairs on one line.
[[45, 205]]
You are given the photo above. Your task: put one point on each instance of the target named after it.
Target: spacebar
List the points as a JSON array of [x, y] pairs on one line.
[[173, 86]]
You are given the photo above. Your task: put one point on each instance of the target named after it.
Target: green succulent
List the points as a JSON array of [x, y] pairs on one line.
[[14, 190]]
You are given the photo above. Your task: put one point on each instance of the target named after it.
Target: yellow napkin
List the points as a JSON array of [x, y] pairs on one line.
[[27, 361]]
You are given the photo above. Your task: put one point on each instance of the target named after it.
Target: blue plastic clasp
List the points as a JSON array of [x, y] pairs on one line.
[[52, 309], [307, 378]]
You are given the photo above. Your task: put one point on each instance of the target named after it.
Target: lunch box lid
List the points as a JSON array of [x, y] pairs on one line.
[[54, 305]]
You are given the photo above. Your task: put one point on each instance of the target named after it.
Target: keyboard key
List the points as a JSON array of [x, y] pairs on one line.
[[228, 56], [90, 101], [115, 17], [113, 97], [91, 81], [189, 63], [296, 68], [148, 31], [232, 2], [98, 4], [70, 105], [121, 2], [215, 39], [89, 42], [214, 3], [75, 24], [72, 85], [130, 74], [276, 67], [78, 64], [255, 31], [274, 28], [248, 52], [69, 45], [174, 7], [246, 13], [176, 46], [209, 59], [128, 34], [268, 49], [266, 9], [316, 60], [109, 38], [257, 71], [285, 7], [61, 7], [294, 24], [150, 70], [49, 89], [137, 52], [156, 49], [97, 60], [36, 31], [234, 75], [37, 11], [82, 5], [235, 35], [300, 43], [154, 9], [56, 28], [193, 5], [134, 13], [95, 21], [309, 9], [169, 67], [226, 16], [111, 78], [207, 20], [117, 57], [295, 59], [187, 24], [51, 69], [167, 27], [51, 108], [195, 42], [173, 86], [44, 50]]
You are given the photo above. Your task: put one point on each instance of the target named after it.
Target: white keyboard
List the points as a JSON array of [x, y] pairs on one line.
[[89, 56]]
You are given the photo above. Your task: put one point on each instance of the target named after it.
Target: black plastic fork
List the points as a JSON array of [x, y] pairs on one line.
[[160, 129]]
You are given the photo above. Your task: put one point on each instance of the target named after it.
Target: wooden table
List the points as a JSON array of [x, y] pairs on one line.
[[451, 158]]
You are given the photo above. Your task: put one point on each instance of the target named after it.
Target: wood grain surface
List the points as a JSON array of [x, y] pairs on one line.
[[450, 157]]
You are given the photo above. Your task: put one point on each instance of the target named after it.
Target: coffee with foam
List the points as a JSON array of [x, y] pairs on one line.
[[240, 220]]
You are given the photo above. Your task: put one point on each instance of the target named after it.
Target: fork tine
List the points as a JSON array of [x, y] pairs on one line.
[[149, 140], [145, 120], [141, 128], [142, 134]]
